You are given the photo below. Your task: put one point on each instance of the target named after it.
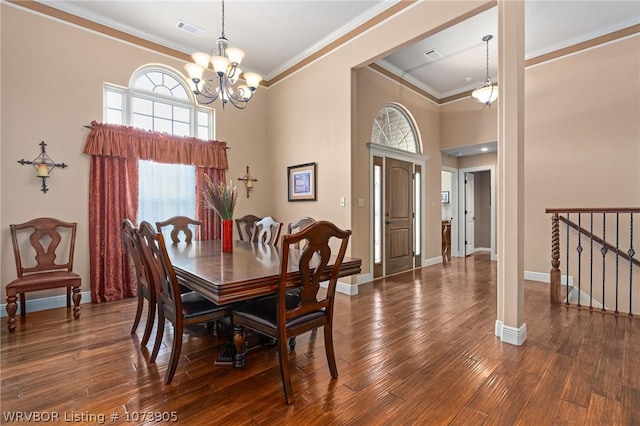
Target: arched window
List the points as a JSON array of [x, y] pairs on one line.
[[159, 99], [394, 128]]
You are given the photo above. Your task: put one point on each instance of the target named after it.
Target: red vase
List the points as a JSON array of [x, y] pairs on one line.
[[227, 235]]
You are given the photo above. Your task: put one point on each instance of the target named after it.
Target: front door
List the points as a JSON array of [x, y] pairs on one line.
[[398, 218]]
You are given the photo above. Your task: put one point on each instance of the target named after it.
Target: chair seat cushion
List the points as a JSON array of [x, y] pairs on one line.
[[194, 305], [46, 280], [264, 311]]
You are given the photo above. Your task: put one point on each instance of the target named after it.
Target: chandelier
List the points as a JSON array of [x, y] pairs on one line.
[[226, 64], [488, 92]]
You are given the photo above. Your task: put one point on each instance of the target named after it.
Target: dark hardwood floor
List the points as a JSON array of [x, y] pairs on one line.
[[416, 348]]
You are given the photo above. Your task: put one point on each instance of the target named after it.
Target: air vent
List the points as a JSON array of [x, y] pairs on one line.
[[433, 55], [190, 28]]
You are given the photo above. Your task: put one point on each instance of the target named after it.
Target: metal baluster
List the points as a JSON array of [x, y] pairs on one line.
[[604, 253], [617, 255], [567, 267], [631, 253], [579, 250], [591, 261]]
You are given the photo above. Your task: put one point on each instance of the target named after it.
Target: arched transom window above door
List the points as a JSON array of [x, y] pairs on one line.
[[394, 128]]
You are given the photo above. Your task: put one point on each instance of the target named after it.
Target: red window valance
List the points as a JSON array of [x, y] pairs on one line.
[[113, 140]]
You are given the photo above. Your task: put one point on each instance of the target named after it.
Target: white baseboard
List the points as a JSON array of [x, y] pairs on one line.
[[349, 289], [432, 261], [545, 277], [44, 303], [511, 335]]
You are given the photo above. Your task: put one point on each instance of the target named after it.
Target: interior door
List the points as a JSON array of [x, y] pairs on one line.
[[469, 214], [398, 216]]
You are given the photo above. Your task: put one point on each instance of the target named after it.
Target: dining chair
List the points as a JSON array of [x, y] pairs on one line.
[[299, 225], [287, 314], [267, 231], [181, 310], [51, 242], [145, 290], [180, 224], [245, 226]]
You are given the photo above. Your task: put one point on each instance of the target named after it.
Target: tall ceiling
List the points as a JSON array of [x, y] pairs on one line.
[[277, 34]]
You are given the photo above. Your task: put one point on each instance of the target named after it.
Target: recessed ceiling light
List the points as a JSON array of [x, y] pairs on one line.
[[484, 149]]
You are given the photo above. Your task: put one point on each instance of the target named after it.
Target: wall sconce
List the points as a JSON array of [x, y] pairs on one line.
[[43, 165], [248, 181]]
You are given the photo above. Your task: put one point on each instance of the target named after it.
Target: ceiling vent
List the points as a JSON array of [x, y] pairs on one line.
[[433, 55], [190, 28]]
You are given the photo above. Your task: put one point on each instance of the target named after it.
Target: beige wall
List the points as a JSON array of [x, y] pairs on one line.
[[465, 122], [52, 79], [582, 138]]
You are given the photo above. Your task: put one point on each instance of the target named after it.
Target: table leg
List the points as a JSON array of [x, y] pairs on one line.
[[239, 341]]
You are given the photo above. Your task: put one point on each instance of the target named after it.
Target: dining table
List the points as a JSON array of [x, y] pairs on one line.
[[251, 270]]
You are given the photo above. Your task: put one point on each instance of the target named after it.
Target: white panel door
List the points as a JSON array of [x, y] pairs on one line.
[[470, 218]]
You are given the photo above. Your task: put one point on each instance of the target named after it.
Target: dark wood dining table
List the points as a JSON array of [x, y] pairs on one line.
[[251, 270]]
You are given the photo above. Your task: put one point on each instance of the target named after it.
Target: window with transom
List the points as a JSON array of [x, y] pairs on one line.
[[159, 99]]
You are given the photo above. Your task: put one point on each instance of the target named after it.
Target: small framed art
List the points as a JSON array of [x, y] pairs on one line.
[[444, 197], [301, 182]]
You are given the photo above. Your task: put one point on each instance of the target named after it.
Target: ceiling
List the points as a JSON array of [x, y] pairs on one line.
[[277, 34]]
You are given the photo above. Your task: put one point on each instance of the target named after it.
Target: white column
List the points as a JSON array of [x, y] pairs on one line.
[[510, 325]]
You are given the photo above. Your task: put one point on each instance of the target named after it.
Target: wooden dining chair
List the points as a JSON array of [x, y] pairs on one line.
[[245, 226], [287, 314], [51, 242], [299, 225], [145, 290], [179, 224], [267, 231], [181, 310]]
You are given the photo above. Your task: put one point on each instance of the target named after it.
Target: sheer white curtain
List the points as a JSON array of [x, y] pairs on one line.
[[166, 190]]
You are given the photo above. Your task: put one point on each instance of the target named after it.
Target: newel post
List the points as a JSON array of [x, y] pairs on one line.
[[554, 285]]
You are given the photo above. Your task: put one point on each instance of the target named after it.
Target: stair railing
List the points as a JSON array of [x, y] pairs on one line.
[[621, 290]]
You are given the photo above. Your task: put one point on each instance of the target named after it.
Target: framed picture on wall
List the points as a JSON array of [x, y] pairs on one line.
[[301, 182], [444, 197]]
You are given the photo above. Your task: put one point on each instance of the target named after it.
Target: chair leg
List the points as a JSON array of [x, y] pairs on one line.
[[159, 335], [23, 305], [151, 316], [68, 297], [175, 354], [76, 302], [136, 320], [328, 345], [12, 307], [284, 370]]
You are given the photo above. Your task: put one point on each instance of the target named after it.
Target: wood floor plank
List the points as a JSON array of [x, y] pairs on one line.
[[417, 348]]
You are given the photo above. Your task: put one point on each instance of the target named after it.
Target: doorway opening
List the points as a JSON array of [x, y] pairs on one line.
[[476, 210]]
